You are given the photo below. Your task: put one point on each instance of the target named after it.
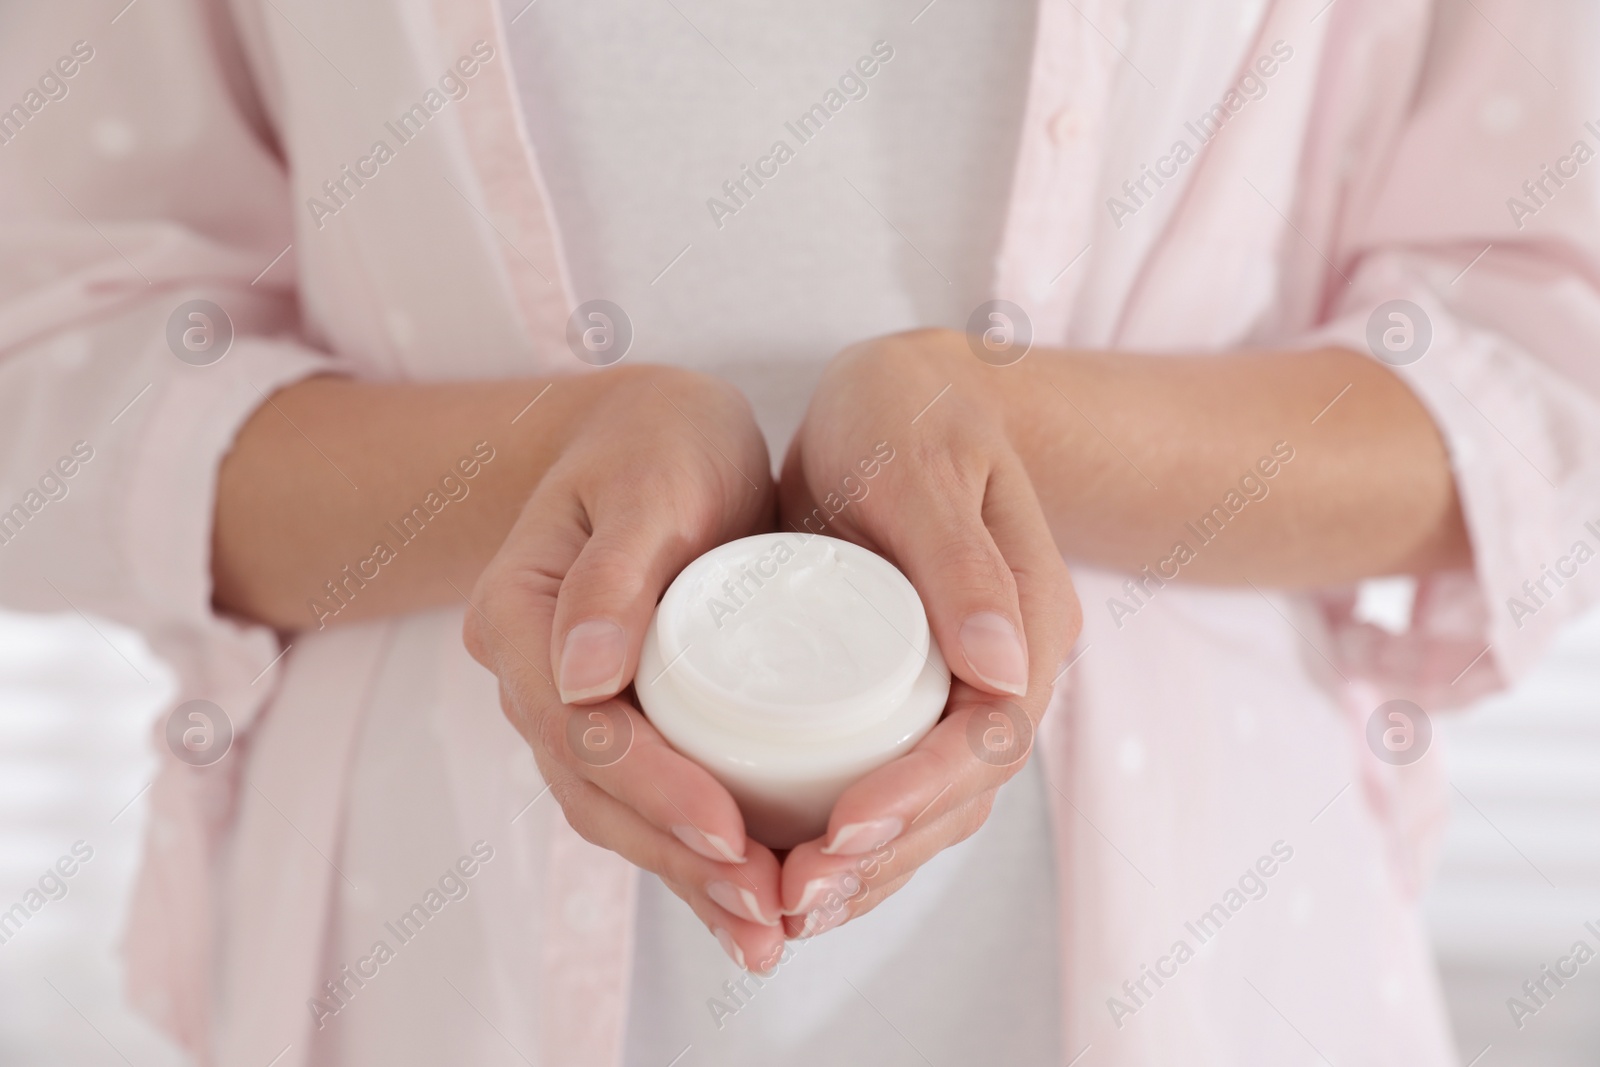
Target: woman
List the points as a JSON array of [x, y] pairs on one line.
[[384, 419]]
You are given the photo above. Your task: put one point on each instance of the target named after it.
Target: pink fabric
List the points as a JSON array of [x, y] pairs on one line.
[[502, 164], [1376, 167]]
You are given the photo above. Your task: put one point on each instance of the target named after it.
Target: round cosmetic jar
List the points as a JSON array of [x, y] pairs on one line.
[[789, 665]]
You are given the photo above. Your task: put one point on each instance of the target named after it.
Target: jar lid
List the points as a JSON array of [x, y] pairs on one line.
[[791, 634]]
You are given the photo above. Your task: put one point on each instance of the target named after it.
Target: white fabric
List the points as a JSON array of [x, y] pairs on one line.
[[639, 121]]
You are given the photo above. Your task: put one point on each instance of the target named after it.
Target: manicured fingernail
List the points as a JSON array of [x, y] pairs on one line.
[[710, 846], [858, 837], [769, 965], [822, 919], [591, 661], [995, 652], [740, 901], [828, 892], [808, 896], [812, 893], [731, 947]]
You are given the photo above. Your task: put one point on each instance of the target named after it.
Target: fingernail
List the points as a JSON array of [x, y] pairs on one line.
[[591, 661], [858, 837], [995, 652], [710, 846], [768, 966], [821, 920], [739, 901], [814, 891], [731, 947], [808, 896]]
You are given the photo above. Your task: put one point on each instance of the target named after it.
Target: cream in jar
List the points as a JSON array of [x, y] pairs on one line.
[[790, 665]]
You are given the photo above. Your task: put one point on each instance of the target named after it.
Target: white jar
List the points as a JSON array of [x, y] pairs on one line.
[[789, 665]]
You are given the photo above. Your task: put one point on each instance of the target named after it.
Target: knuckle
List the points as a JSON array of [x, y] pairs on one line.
[[572, 794], [490, 600], [972, 816], [947, 479], [930, 335], [682, 870], [568, 791], [518, 717], [974, 570], [942, 771], [685, 385], [572, 809], [1057, 577], [676, 380], [934, 466], [911, 346], [608, 569], [549, 728], [1072, 609], [508, 592], [677, 497], [472, 636]]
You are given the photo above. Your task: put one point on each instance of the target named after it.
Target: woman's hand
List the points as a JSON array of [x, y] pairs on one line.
[[666, 465], [905, 449]]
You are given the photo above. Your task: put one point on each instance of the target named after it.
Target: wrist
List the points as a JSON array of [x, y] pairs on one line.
[[606, 415], [1036, 396], [1057, 407], [550, 415]]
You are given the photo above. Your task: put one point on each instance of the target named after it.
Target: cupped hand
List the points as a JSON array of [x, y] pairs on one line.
[[663, 466], [905, 450]]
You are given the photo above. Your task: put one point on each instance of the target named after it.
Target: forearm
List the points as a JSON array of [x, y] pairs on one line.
[[396, 494], [1132, 455]]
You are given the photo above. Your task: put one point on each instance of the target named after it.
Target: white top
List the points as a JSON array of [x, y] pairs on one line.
[[883, 216], [886, 219]]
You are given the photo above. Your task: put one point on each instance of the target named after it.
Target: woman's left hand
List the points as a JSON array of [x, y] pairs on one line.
[[904, 449]]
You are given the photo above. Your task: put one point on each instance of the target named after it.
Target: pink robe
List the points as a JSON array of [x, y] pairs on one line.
[[1385, 160]]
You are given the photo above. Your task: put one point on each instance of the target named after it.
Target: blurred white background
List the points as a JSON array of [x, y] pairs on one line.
[[74, 763]]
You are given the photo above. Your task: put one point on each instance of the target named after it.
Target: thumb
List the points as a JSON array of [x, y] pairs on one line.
[[604, 606], [796, 502], [941, 543]]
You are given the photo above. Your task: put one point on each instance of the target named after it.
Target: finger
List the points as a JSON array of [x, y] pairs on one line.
[[639, 543], [932, 524], [1051, 615], [612, 745], [925, 786], [822, 892], [649, 519], [507, 624], [738, 904], [978, 745], [833, 910], [617, 748], [753, 939], [981, 742], [795, 499], [961, 763]]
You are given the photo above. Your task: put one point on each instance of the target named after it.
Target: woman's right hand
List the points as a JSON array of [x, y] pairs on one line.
[[664, 466]]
